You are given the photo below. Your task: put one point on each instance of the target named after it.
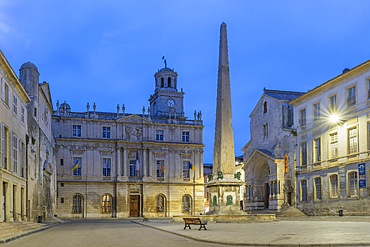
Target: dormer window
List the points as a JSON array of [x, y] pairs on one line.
[[264, 107]]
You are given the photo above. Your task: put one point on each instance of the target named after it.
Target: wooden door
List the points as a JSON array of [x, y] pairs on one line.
[[267, 195], [4, 202], [134, 206]]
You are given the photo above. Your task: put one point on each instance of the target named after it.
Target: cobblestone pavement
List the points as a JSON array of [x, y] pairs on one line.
[[302, 231], [298, 231]]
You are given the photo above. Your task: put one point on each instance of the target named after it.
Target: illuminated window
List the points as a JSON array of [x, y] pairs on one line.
[[106, 204]]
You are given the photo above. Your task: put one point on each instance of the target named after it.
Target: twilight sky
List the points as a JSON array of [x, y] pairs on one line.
[[108, 51]]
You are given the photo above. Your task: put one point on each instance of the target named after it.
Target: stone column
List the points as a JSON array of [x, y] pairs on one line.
[[125, 169]]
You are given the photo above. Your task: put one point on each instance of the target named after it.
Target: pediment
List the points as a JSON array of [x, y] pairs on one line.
[[260, 155], [133, 119]]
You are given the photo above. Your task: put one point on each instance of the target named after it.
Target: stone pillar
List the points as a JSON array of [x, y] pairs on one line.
[[125, 168], [118, 155]]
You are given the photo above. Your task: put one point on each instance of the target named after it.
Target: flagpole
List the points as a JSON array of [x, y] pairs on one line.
[[193, 168]]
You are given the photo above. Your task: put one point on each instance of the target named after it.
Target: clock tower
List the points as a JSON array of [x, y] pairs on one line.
[[166, 102]]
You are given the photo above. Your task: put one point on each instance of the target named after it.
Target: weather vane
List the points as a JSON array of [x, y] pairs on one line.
[[165, 61]]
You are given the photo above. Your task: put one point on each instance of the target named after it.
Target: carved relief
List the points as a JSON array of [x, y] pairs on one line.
[[134, 133]]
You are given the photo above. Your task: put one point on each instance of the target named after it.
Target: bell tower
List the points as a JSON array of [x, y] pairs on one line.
[[167, 101]]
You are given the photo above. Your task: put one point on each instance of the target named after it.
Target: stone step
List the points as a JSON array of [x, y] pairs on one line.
[[9, 229]]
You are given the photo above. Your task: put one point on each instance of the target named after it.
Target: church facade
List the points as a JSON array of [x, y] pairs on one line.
[[117, 164], [268, 156]]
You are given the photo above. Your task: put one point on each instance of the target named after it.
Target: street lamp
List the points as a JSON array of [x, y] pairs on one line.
[[334, 118]]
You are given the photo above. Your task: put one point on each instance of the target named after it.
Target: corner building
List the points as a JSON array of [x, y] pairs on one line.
[[333, 143], [13, 132], [116, 164]]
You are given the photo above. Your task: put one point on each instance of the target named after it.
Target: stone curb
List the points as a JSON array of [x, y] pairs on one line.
[[23, 234], [250, 244]]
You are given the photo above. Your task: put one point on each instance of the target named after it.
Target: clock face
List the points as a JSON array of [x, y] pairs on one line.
[[170, 103]]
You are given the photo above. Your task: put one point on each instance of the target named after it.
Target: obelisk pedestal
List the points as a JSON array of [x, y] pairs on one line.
[[224, 185]]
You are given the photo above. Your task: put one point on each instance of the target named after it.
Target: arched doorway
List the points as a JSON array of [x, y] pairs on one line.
[[77, 205], [264, 177]]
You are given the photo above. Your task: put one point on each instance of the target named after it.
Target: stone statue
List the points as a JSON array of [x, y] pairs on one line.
[[220, 175], [229, 200], [214, 201]]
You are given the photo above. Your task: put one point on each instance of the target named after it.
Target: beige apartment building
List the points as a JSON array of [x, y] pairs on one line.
[[118, 164], [333, 145], [13, 139]]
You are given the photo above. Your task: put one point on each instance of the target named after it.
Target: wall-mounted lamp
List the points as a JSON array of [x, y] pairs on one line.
[[334, 118]]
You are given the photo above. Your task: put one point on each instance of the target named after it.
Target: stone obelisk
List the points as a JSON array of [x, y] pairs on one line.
[[223, 185], [223, 149]]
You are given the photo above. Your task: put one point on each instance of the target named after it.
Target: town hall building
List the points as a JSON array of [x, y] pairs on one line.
[[118, 164]]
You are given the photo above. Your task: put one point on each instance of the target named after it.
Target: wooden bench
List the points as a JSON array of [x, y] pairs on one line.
[[194, 221]]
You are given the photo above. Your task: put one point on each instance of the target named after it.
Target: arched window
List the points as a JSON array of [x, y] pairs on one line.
[[161, 203], [106, 204], [169, 82], [77, 204], [265, 107], [162, 82], [186, 203]]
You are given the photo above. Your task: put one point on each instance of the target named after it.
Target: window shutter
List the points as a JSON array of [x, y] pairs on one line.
[[2, 88], [1, 145]]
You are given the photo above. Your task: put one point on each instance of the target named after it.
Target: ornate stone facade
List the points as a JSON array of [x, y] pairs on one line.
[[130, 165], [268, 156]]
